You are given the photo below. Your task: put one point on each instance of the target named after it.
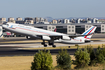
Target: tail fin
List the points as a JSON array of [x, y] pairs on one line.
[[89, 32]]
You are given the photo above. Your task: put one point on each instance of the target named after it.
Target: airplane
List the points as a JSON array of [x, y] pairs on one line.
[[50, 36]]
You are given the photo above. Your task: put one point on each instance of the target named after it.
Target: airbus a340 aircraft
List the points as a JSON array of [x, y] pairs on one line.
[[49, 36]]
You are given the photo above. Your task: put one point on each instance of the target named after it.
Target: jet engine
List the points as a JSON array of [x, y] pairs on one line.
[[31, 38], [46, 38], [66, 37]]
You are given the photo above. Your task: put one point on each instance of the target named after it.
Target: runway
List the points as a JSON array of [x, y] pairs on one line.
[[23, 42], [15, 46], [22, 52]]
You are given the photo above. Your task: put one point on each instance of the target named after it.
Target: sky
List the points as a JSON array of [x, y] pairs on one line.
[[52, 8]]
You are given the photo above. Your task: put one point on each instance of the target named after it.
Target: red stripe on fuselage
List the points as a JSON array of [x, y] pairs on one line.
[[89, 32], [87, 38], [33, 31]]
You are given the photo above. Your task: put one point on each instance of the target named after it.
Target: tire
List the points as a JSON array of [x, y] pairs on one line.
[[45, 45], [54, 46]]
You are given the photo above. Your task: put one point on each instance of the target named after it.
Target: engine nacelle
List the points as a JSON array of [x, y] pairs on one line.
[[46, 38], [31, 38], [66, 37]]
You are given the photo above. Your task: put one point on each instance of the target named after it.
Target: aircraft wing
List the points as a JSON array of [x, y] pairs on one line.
[[55, 37], [71, 36]]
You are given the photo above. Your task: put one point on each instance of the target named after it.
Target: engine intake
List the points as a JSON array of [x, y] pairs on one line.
[[66, 37], [46, 38]]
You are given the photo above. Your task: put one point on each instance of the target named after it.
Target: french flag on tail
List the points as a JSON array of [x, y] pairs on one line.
[[89, 33]]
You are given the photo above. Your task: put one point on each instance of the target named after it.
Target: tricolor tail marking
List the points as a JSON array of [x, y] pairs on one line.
[[89, 32]]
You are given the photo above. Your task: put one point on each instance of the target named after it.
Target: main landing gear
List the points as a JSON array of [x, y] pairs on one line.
[[49, 42], [43, 43]]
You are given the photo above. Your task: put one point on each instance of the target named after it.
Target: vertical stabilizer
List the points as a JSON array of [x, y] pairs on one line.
[[89, 32]]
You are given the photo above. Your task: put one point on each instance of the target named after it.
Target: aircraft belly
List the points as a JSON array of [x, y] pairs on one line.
[[72, 41], [69, 41]]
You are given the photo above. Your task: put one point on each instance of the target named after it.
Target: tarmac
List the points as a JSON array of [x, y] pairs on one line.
[[15, 46]]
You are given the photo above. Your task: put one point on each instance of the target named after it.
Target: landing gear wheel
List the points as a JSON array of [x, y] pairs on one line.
[[54, 46], [45, 45]]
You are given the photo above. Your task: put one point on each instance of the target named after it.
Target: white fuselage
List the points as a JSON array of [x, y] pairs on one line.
[[76, 40], [32, 31], [29, 30]]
